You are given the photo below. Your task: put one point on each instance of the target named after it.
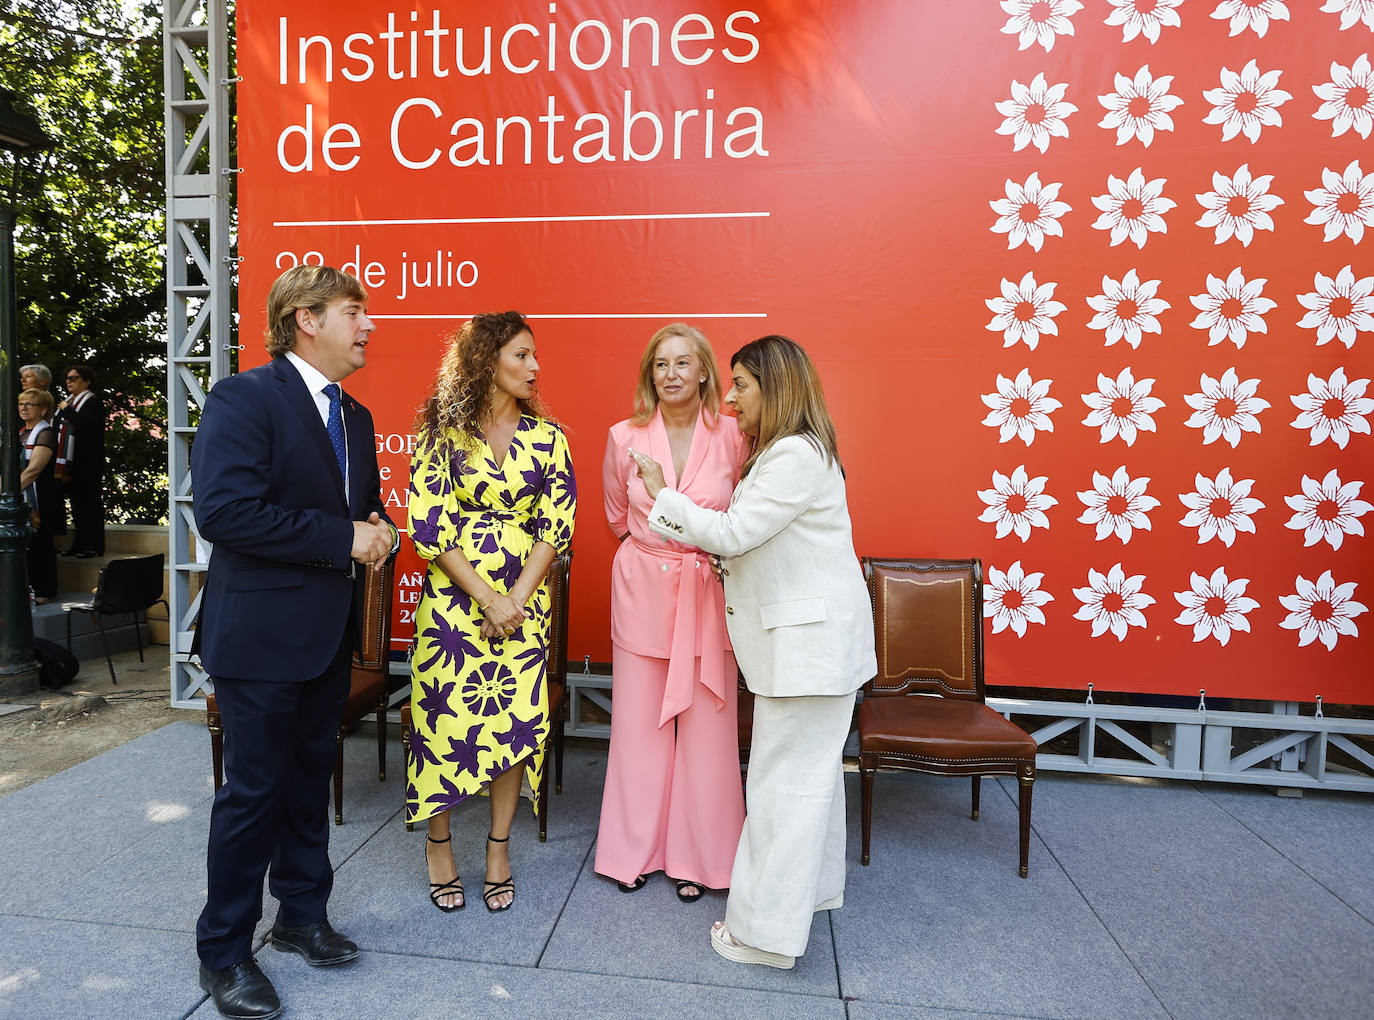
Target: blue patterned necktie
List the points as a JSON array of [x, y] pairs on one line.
[[335, 428]]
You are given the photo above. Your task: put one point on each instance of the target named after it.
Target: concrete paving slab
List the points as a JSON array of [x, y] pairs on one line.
[[56, 970], [1216, 920], [383, 985], [940, 917], [1328, 835]]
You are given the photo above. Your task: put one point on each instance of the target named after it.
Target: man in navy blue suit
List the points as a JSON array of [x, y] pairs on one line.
[[287, 490]]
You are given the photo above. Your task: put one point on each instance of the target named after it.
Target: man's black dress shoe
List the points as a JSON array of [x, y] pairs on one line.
[[241, 991], [319, 943]]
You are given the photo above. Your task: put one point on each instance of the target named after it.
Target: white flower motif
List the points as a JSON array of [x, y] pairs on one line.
[[1251, 14], [1126, 310], [1339, 308], [1039, 21], [1113, 602], [1225, 408], [1321, 611], [1132, 208], [1239, 206], [1020, 408], [1345, 203], [1024, 311], [1232, 309], [1016, 503], [1327, 510], [1215, 606], [1246, 102], [1333, 408], [1121, 406], [1035, 113], [1352, 12], [1143, 17], [1029, 212], [1139, 107], [1117, 505], [1219, 507], [1014, 599], [1348, 98]]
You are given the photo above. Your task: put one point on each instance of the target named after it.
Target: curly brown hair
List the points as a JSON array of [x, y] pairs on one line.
[[463, 385]]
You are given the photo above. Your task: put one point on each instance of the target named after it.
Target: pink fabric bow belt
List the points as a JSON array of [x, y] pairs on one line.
[[694, 616]]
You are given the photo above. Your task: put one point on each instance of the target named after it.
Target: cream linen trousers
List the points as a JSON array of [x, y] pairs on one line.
[[791, 852]]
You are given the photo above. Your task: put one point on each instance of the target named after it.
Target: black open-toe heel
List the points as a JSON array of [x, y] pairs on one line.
[[438, 890], [684, 895], [634, 886], [493, 889]]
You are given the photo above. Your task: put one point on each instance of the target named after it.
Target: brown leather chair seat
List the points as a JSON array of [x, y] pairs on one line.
[[933, 729], [925, 709]]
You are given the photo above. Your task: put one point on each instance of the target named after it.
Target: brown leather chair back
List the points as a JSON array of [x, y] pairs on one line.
[[559, 577], [374, 623], [928, 618]]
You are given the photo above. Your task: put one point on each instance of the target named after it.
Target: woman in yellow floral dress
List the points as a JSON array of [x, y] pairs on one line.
[[492, 497]]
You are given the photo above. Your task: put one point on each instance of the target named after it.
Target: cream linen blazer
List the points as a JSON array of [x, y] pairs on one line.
[[796, 605]]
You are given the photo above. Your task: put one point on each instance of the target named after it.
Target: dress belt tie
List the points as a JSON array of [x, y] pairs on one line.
[[695, 574]]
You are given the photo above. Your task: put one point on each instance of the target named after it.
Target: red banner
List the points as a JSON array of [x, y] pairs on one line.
[[1085, 283]]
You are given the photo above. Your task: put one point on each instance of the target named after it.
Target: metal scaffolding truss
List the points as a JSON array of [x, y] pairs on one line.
[[195, 41], [1281, 748]]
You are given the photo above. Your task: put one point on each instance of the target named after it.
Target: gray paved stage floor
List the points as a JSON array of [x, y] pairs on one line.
[[1144, 900]]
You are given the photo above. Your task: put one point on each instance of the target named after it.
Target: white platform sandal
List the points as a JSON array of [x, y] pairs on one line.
[[732, 949]]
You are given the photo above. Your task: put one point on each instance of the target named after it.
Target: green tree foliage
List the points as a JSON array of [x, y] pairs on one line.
[[89, 247]]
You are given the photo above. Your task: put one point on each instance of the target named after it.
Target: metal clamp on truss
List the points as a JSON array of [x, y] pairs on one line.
[[586, 665], [231, 81], [1319, 714], [1090, 694], [225, 171], [1202, 699]]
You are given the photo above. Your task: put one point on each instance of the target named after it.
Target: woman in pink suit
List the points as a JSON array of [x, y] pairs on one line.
[[673, 800]]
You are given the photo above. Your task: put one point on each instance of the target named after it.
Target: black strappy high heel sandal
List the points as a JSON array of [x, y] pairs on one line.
[[438, 890], [491, 889]]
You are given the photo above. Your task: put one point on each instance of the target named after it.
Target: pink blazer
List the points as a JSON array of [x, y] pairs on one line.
[[665, 602]]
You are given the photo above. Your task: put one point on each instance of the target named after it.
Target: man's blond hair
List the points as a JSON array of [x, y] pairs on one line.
[[311, 287]]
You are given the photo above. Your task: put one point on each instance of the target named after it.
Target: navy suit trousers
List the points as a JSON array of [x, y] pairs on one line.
[[273, 809]]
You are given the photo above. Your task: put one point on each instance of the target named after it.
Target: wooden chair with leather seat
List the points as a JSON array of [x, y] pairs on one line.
[[556, 679], [925, 710], [369, 688]]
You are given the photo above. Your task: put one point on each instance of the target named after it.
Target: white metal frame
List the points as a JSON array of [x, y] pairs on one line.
[[200, 278]]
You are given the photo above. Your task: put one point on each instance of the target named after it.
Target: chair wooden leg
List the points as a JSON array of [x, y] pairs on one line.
[[866, 785], [1027, 778], [558, 756], [405, 760], [543, 814], [338, 778], [977, 794], [216, 727], [381, 740]]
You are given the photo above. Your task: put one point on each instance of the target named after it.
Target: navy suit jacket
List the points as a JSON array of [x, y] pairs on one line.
[[270, 498]]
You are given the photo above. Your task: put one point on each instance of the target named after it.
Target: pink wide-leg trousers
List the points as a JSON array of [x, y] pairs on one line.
[[673, 801]]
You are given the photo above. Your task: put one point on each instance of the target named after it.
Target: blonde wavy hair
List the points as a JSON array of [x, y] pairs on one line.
[[463, 386], [646, 395]]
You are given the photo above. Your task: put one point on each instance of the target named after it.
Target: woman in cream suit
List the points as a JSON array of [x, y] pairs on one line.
[[801, 625]]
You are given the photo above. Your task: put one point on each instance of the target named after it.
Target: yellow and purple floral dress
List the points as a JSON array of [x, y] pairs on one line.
[[478, 707]]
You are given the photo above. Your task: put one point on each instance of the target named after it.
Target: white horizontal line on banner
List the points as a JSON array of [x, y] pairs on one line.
[[588, 315], [520, 219]]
